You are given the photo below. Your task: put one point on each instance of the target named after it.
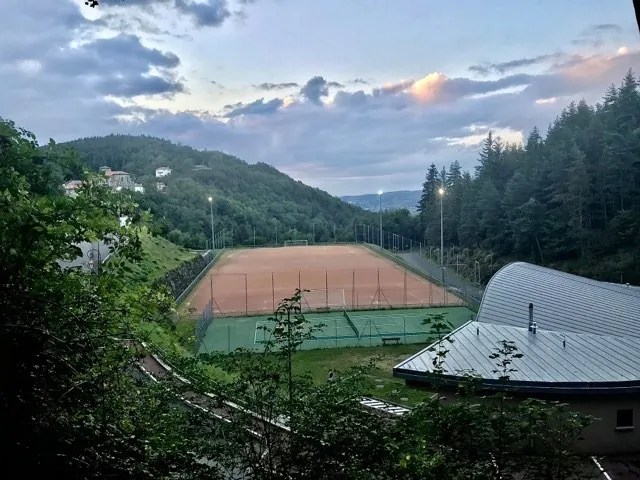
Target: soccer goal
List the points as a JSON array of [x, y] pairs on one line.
[[323, 299], [296, 243]]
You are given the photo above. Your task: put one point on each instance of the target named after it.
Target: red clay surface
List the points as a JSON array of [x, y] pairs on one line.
[[255, 280]]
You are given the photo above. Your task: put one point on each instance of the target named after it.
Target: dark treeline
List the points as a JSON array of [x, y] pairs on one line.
[[569, 200]]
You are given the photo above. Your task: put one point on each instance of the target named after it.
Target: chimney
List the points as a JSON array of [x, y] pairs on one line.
[[530, 316], [534, 328]]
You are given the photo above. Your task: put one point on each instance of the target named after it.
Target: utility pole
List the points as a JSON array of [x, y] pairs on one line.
[[254, 236]]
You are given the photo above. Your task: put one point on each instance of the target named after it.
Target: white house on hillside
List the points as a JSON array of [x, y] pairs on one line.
[[162, 172], [137, 187]]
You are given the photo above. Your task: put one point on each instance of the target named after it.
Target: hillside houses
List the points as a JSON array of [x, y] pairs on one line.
[[118, 180]]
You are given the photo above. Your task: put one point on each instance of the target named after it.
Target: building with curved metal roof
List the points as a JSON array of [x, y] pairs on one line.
[[580, 340]]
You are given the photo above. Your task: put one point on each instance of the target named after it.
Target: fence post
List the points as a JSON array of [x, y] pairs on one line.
[[405, 288], [370, 321], [335, 323], [404, 328], [246, 295], [353, 289], [299, 283], [326, 288], [273, 293]]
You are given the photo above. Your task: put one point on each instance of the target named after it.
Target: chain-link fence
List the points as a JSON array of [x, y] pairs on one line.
[[233, 294]]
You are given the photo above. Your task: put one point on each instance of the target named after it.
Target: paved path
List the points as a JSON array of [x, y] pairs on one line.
[[455, 282]]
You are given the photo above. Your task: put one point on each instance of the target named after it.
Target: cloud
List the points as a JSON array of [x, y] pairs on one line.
[[207, 13], [597, 35], [61, 80], [276, 86], [603, 27], [358, 81], [257, 107], [315, 89], [119, 66], [504, 67]]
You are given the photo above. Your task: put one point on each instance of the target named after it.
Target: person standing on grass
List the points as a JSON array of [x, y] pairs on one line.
[[330, 377]]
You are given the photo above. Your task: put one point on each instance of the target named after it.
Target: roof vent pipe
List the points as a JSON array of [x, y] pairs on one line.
[[534, 327], [564, 341], [530, 316]]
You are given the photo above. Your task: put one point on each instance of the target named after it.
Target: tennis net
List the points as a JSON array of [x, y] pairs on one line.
[[350, 322]]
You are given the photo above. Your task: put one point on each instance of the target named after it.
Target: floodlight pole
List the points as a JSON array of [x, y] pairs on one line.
[[213, 236], [441, 191], [380, 198]]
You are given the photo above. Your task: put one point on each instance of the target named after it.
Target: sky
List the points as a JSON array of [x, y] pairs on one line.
[[351, 96]]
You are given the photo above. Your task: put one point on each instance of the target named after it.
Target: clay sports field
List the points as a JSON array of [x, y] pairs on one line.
[[353, 277], [233, 302]]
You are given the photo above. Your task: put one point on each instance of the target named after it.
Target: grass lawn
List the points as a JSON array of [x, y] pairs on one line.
[[383, 384], [318, 362], [158, 257]]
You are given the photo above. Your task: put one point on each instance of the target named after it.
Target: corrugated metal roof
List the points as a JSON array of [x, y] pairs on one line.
[[600, 322], [583, 360], [562, 302]]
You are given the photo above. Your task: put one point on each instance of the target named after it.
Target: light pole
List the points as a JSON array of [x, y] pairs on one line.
[[213, 237], [380, 197], [441, 192]]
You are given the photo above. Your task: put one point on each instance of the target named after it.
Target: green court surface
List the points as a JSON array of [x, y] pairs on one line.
[[334, 329]]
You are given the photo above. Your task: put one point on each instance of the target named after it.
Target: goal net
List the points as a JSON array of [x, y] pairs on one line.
[[323, 299], [296, 243]]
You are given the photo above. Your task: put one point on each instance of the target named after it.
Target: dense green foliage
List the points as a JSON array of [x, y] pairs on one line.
[[245, 196], [570, 200], [69, 406]]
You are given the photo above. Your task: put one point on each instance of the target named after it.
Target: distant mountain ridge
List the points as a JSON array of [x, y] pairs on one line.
[[390, 200]]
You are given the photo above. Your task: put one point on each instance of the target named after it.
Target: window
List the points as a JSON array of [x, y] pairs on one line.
[[624, 419]]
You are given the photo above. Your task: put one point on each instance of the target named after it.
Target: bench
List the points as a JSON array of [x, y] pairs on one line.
[[386, 340]]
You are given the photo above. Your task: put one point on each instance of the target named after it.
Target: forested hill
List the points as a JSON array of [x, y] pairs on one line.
[[246, 196], [570, 199]]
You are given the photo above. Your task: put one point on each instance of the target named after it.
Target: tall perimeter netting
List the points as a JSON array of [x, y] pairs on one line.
[[318, 300]]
